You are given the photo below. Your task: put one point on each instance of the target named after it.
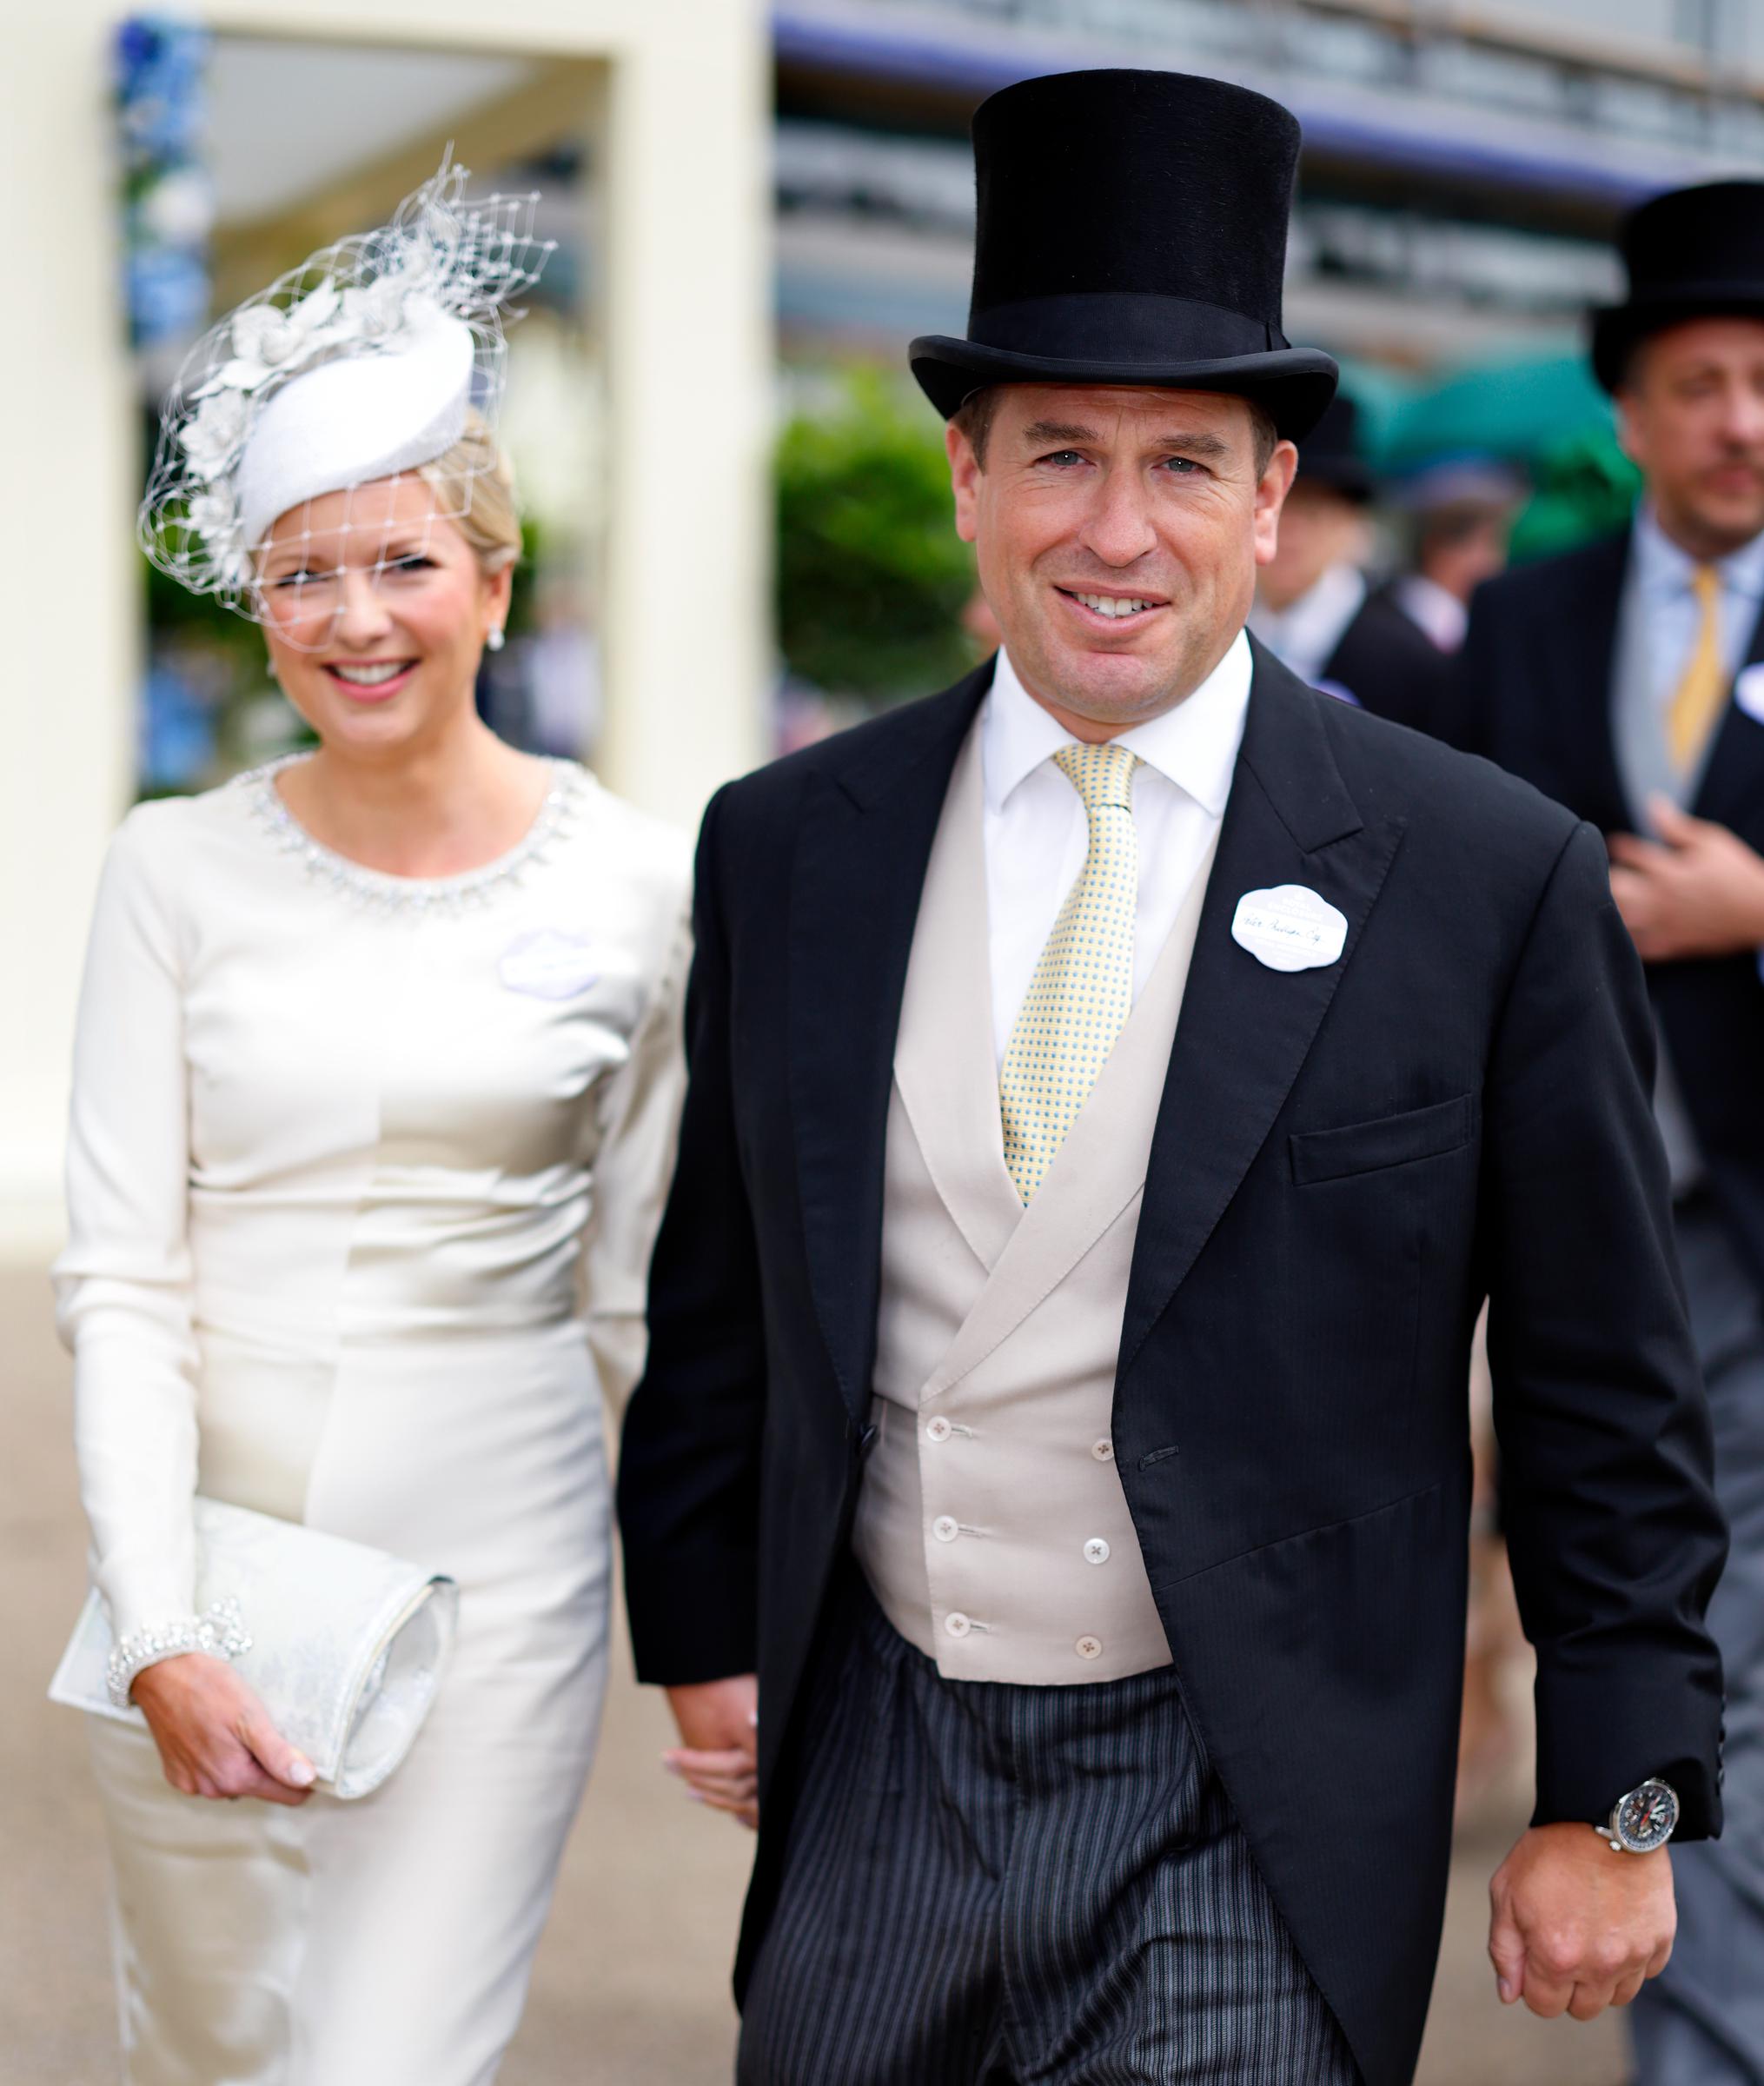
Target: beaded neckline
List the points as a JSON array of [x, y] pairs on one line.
[[377, 890]]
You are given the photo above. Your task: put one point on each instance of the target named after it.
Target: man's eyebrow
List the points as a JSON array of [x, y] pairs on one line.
[[1042, 434], [1196, 444], [1040, 431]]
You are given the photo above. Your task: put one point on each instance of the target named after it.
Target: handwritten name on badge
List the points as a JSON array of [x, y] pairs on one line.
[[549, 964], [1290, 928]]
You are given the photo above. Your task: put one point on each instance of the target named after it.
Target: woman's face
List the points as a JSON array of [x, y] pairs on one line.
[[375, 611]]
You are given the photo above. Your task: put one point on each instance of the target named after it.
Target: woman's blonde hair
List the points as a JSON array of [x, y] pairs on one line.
[[474, 484]]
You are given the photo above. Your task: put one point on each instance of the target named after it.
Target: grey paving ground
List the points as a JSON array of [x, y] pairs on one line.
[[630, 1987]]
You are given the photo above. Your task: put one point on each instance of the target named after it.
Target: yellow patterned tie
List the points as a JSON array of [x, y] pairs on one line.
[[1082, 991], [1701, 692]]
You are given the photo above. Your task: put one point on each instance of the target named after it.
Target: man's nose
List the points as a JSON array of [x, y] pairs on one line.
[[1118, 529]]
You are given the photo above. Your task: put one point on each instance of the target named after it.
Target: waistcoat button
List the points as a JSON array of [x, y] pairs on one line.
[[938, 1429], [944, 1528], [1086, 1647], [959, 1626], [1102, 1451], [1095, 1552]]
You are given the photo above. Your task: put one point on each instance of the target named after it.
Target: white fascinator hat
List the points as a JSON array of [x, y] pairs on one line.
[[364, 362]]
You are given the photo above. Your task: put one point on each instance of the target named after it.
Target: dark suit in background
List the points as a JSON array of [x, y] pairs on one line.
[[1541, 693], [1390, 667]]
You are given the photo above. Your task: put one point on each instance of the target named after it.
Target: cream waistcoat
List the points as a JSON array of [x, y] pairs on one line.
[[992, 1526]]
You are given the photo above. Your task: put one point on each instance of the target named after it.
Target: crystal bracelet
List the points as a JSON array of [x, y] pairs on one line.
[[221, 1633]]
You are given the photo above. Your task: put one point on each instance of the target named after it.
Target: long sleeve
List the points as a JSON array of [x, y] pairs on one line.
[[1612, 1524], [640, 1128], [123, 1284], [689, 1466]]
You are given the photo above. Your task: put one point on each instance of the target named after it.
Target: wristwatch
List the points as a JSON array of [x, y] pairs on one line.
[[1643, 1820]]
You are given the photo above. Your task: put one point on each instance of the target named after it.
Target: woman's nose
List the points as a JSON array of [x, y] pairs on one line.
[[362, 616]]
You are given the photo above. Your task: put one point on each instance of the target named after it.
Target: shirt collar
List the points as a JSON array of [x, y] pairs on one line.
[[1305, 633], [1194, 745], [1662, 566]]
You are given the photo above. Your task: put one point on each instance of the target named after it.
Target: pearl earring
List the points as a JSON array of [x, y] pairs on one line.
[[495, 639]]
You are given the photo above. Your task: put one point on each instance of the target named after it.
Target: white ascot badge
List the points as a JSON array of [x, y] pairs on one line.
[[1290, 928], [550, 965], [1748, 692]]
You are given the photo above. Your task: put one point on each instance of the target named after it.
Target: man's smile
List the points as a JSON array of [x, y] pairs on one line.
[[1104, 608]]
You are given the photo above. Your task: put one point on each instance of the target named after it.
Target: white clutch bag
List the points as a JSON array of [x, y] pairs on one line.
[[343, 1645]]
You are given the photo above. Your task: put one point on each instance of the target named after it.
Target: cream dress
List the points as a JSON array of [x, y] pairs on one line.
[[339, 1140]]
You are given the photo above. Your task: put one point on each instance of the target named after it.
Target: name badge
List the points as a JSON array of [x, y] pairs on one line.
[[1748, 692], [549, 964], [1290, 928]]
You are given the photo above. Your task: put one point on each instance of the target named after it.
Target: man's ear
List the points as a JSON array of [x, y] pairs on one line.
[[1628, 435], [1271, 488], [965, 476]]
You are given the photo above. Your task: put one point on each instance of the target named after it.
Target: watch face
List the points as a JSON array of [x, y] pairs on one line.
[[1645, 1817]]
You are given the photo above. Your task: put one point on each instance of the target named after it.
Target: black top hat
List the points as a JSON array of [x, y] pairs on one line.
[[1691, 254], [1330, 454], [1131, 229]]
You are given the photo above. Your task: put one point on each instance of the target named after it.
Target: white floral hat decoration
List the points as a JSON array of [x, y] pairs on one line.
[[362, 362]]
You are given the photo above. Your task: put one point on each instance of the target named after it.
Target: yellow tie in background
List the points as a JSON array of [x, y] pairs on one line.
[[1701, 692], [1082, 991]]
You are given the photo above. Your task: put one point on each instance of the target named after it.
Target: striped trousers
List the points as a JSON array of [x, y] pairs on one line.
[[992, 1885]]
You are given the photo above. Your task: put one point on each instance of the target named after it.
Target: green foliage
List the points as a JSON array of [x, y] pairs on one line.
[[871, 576], [1583, 486]]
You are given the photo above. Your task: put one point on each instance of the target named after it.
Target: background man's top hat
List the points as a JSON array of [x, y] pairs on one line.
[[1691, 254], [1131, 229], [1330, 454]]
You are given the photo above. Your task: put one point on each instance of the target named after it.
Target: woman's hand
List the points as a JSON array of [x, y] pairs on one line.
[[215, 1738]]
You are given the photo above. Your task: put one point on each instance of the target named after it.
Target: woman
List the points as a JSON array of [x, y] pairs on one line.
[[370, 1043]]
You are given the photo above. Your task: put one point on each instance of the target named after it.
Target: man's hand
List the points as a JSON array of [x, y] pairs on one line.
[[1576, 1926], [1698, 891], [718, 1756]]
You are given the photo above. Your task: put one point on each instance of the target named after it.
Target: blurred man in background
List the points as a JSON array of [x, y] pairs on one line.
[[1315, 610], [1622, 678], [1460, 513]]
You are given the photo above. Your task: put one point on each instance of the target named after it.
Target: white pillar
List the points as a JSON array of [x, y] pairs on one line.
[[72, 609], [688, 552]]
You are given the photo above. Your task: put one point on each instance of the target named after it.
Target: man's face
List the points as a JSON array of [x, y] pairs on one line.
[[1118, 533], [1319, 528], [1691, 414]]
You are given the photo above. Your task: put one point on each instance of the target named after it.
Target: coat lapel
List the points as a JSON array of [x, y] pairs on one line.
[[944, 1062], [868, 819], [1581, 652], [1245, 1029], [1731, 790]]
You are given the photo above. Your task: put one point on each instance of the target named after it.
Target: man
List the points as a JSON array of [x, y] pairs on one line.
[[1615, 678], [1113, 1083], [1316, 611], [1461, 515]]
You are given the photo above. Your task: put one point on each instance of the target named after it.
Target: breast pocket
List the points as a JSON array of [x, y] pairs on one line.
[[1387, 1141]]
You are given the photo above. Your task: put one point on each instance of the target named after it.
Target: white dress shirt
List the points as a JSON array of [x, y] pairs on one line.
[[1037, 835], [1659, 585], [1659, 622], [1434, 610]]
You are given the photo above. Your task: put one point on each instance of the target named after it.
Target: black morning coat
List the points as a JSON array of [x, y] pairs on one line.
[[1345, 1160], [1390, 665], [1535, 694]]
